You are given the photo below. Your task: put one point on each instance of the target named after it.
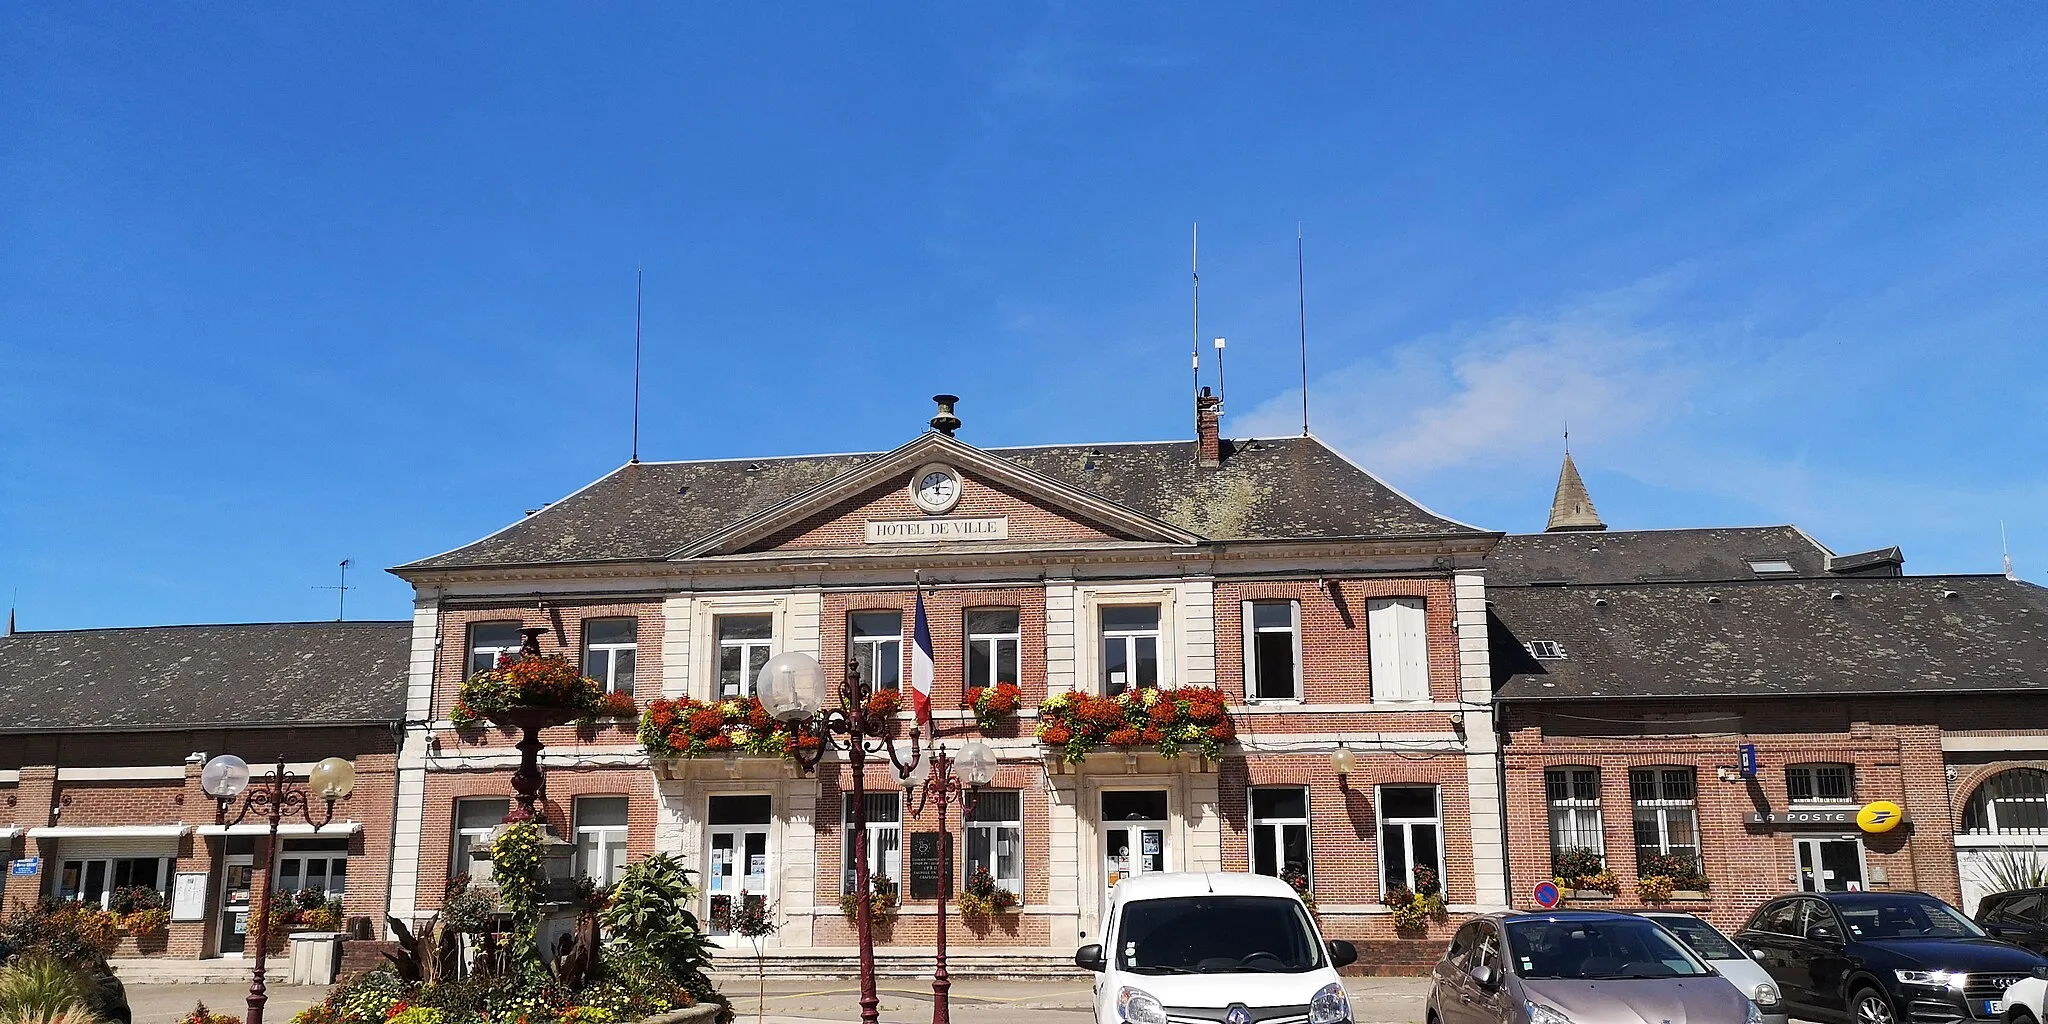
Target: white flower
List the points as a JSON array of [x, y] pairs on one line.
[[1149, 695]]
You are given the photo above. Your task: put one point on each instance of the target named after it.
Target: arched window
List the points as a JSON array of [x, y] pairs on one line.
[[2014, 801]]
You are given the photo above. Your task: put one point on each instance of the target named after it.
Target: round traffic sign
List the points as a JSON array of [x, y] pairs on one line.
[[1547, 895]]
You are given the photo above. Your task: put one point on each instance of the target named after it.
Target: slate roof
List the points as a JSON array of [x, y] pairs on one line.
[[1287, 488], [1786, 637], [1636, 556], [167, 677]]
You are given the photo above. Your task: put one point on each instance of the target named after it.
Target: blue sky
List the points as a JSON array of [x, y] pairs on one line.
[[281, 287]]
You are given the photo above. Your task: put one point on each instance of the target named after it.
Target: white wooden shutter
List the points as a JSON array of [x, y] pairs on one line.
[[1414, 649], [1384, 644], [1251, 657]]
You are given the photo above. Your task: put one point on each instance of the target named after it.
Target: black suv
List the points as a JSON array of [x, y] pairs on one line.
[[2019, 916], [1883, 958]]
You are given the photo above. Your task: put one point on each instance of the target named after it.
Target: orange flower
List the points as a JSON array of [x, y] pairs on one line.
[[1124, 737]]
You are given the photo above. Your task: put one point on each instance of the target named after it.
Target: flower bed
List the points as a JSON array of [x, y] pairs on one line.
[[689, 728], [1166, 720], [528, 681], [993, 705]]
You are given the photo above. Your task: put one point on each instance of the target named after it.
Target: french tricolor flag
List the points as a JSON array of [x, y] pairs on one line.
[[921, 669]]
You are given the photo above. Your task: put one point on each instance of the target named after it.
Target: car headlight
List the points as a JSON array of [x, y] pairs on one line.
[[1329, 1006], [1541, 1014], [1137, 1006], [1752, 1015], [1766, 994], [1932, 979]]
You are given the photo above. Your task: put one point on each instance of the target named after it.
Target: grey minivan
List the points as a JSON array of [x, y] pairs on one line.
[[1578, 967]]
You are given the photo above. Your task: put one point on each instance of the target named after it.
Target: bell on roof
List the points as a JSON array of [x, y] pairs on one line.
[[945, 422], [1572, 508]]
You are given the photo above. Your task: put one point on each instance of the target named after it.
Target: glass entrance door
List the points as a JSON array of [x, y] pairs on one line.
[[1830, 865], [1134, 829], [738, 858], [237, 886]]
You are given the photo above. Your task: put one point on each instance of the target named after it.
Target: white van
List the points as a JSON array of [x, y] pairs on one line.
[[1230, 948]]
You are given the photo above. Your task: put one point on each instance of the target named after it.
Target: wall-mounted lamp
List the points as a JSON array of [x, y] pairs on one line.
[[1342, 761]]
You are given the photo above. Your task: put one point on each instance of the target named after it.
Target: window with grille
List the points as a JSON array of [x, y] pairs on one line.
[[1819, 783], [1666, 818], [1280, 831], [744, 643], [2012, 802], [608, 648], [885, 838], [489, 641], [993, 641], [877, 640], [1272, 650], [995, 838], [1574, 797]]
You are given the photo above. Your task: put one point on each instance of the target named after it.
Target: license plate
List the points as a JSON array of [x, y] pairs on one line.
[[1993, 1007]]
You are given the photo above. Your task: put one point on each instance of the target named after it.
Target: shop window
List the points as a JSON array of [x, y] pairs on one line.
[[1398, 640], [488, 641], [744, 643], [318, 864], [1411, 838], [1820, 783], [1130, 648], [474, 820], [993, 642], [1272, 650], [1574, 796], [877, 640], [608, 647], [94, 879], [995, 837], [885, 838], [2012, 802], [1666, 820], [1279, 824], [600, 823]]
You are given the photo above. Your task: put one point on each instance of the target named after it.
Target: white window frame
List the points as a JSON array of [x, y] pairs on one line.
[[886, 861], [606, 838], [1252, 679], [1811, 771], [1407, 826], [991, 833], [1992, 793], [465, 839], [107, 883], [1573, 814], [493, 651], [747, 647], [1398, 645], [287, 855], [876, 645], [998, 643], [607, 655], [1128, 638], [1279, 826], [1662, 807], [1545, 650]]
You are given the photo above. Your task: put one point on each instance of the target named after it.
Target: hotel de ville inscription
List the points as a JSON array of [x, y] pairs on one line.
[[927, 531]]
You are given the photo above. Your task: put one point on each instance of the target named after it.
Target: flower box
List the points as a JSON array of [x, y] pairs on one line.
[[689, 728], [1071, 725]]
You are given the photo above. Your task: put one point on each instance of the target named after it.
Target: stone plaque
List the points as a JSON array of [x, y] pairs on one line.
[[938, 530], [925, 858]]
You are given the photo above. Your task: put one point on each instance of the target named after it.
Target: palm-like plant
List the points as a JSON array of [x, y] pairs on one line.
[[36, 989], [2008, 868]]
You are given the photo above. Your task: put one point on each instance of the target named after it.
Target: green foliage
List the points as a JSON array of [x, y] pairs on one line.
[[648, 909], [39, 989], [882, 902], [201, 1015], [515, 866], [1574, 863], [2006, 869], [76, 935], [468, 909], [1682, 869]]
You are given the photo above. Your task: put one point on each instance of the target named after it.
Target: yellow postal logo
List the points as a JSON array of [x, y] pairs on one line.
[[1880, 816]]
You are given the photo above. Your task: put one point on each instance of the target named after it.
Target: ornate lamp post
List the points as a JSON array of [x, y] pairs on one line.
[[791, 687], [977, 769], [224, 778]]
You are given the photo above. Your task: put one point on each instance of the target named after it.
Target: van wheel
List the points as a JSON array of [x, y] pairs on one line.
[[2019, 1016], [1869, 1006]]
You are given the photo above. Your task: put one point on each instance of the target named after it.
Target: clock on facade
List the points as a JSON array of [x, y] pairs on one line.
[[935, 488]]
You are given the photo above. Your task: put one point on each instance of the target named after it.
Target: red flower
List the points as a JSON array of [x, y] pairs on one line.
[[706, 722], [1164, 712], [1152, 734], [1124, 737], [719, 742], [1223, 733], [1058, 735], [884, 703]]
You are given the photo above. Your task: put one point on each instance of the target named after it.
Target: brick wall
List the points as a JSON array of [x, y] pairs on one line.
[[945, 610], [563, 621], [564, 785], [845, 525], [1335, 638]]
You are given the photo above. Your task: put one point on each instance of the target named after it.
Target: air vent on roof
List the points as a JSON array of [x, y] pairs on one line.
[[1837, 596], [753, 467], [1599, 602], [1546, 650], [1770, 566], [684, 489], [1950, 595], [1714, 599]]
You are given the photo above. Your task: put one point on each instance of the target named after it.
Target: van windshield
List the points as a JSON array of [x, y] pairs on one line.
[[1608, 949], [1216, 935]]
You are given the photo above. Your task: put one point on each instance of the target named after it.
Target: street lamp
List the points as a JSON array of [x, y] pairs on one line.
[[977, 766], [791, 687], [224, 778]]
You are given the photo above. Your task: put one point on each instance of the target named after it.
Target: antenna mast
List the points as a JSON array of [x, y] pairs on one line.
[[341, 612], [1301, 304], [1219, 368], [1195, 338], [638, 274]]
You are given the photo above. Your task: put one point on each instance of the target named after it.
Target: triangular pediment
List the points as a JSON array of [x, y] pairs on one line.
[[998, 497]]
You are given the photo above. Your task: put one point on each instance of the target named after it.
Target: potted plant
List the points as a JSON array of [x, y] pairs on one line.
[[1582, 872], [882, 902], [981, 899], [1413, 909], [688, 728], [531, 690], [1669, 876], [1073, 724], [994, 705]]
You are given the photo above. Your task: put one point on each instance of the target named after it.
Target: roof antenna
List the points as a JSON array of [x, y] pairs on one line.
[[11, 602], [638, 274], [1301, 304], [1219, 368], [341, 612], [1195, 339], [2001, 547]]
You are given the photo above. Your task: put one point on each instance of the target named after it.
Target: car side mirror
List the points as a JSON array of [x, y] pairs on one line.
[[1090, 958], [2041, 971], [1342, 953], [1483, 975], [1822, 933]]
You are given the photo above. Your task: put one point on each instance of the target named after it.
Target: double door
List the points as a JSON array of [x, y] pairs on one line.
[[736, 863], [1134, 834], [1829, 865]]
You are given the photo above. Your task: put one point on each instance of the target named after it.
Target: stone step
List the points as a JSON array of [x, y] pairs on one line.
[[734, 965], [221, 971]]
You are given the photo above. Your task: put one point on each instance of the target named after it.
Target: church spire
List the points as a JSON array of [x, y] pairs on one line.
[[1572, 508]]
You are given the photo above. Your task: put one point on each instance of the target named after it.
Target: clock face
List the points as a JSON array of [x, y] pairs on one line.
[[935, 489]]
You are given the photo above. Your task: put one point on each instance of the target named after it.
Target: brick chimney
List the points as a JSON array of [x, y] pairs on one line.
[[1209, 429]]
